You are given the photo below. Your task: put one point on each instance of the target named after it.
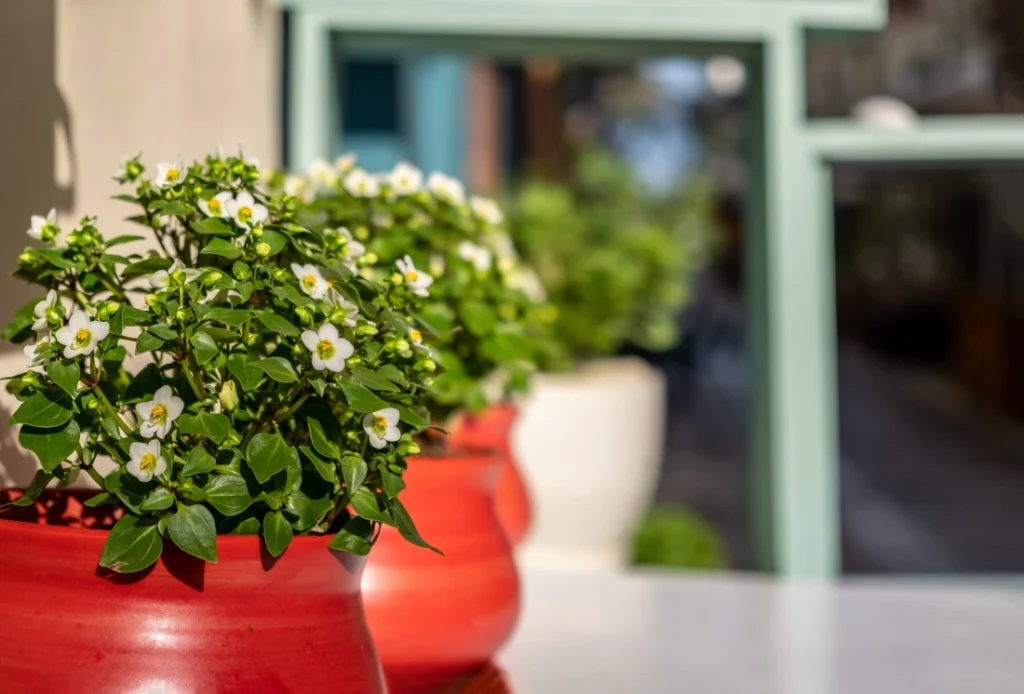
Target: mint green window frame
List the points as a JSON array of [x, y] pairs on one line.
[[790, 257]]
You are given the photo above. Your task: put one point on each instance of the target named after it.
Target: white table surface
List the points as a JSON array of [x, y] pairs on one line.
[[643, 632]]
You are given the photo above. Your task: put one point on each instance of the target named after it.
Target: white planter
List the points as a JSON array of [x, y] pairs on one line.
[[590, 444]]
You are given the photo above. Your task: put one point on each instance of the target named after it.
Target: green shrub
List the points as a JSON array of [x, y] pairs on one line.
[[678, 537]]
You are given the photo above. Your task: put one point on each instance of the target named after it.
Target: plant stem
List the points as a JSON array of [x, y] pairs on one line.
[[190, 369], [121, 424]]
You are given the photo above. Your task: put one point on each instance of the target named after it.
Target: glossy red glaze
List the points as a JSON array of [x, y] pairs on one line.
[[248, 624], [435, 618], [492, 429]]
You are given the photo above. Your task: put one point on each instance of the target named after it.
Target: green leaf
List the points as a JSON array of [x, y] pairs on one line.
[[164, 331], [147, 342], [275, 239], [276, 323], [66, 374], [246, 370], [212, 226], [229, 494], [408, 529], [248, 526], [318, 382], [365, 504], [279, 369], [268, 454], [323, 446], [205, 348], [44, 410], [145, 267], [123, 239], [323, 468], [56, 258], [392, 373], [158, 500], [308, 512], [99, 499], [360, 398], [219, 334], [290, 293], [228, 316], [171, 208], [199, 462], [416, 417], [52, 446], [277, 533], [223, 248], [32, 492], [193, 530], [354, 537], [506, 347], [373, 380], [133, 316], [391, 483], [213, 426], [478, 317], [353, 470], [133, 545]]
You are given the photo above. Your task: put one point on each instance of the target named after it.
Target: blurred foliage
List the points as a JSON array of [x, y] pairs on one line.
[[617, 263], [678, 537]]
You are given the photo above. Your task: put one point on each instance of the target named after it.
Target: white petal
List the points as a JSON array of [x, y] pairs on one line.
[[99, 329], [318, 363], [175, 406], [310, 339], [392, 434], [148, 429], [335, 363], [154, 447], [65, 335], [161, 466], [145, 409], [245, 199], [162, 395], [390, 415], [329, 332], [377, 442], [79, 319], [343, 347], [259, 214], [137, 450]]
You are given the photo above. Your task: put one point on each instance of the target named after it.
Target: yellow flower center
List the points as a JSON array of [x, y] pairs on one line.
[[173, 174], [416, 335], [380, 425], [412, 275], [245, 213], [326, 349], [309, 282], [159, 414], [214, 206], [148, 463], [82, 337]]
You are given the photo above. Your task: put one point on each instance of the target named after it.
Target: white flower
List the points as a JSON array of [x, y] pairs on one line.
[[437, 265], [159, 414], [503, 247], [170, 173], [446, 188], [526, 281], [161, 278], [345, 162], [382, 427], [217, 206], [297, 186], [310, 280], [146, 461], [361, 184], [418, 281], [245, 210], [329, 350], [39, 224], [417, 339], [122, 172], [32, 355], [405, 179], [478, 256], [322, 174], [353, 249], [350, 309], [80, 335], [40, 310], [486, 210]]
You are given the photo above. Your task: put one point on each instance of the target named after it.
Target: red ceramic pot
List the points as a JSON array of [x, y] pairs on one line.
[[435, 618], [248, 624], [492, 429]]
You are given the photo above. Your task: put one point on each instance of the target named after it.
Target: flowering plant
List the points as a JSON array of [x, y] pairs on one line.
[[617, 265], [273, 392], [483, 307]]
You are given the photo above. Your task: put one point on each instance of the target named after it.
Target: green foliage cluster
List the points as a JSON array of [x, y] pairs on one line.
[[486, 310], [677, 537], [272, 388], [617, 264]]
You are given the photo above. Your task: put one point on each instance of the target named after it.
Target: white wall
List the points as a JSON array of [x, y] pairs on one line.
[[104, 78]]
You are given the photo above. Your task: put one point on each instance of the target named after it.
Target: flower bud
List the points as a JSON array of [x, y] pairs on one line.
[[429, 365], [50, 232], [228, 396], [263, 249], [354, 360], [30, 379], [241, 271], [402, 345], [152, 300], [54, 315], [413, 448], [105, 311], [397, 279], [132, 169], [304, 314], [366, 329], [28, 257], [212, 278], [233, 438], [362, 233], [369, 259], [281, 275], [181, 315], [256, 232]]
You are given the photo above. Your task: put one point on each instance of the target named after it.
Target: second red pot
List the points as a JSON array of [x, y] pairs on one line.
[[437, 618]]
